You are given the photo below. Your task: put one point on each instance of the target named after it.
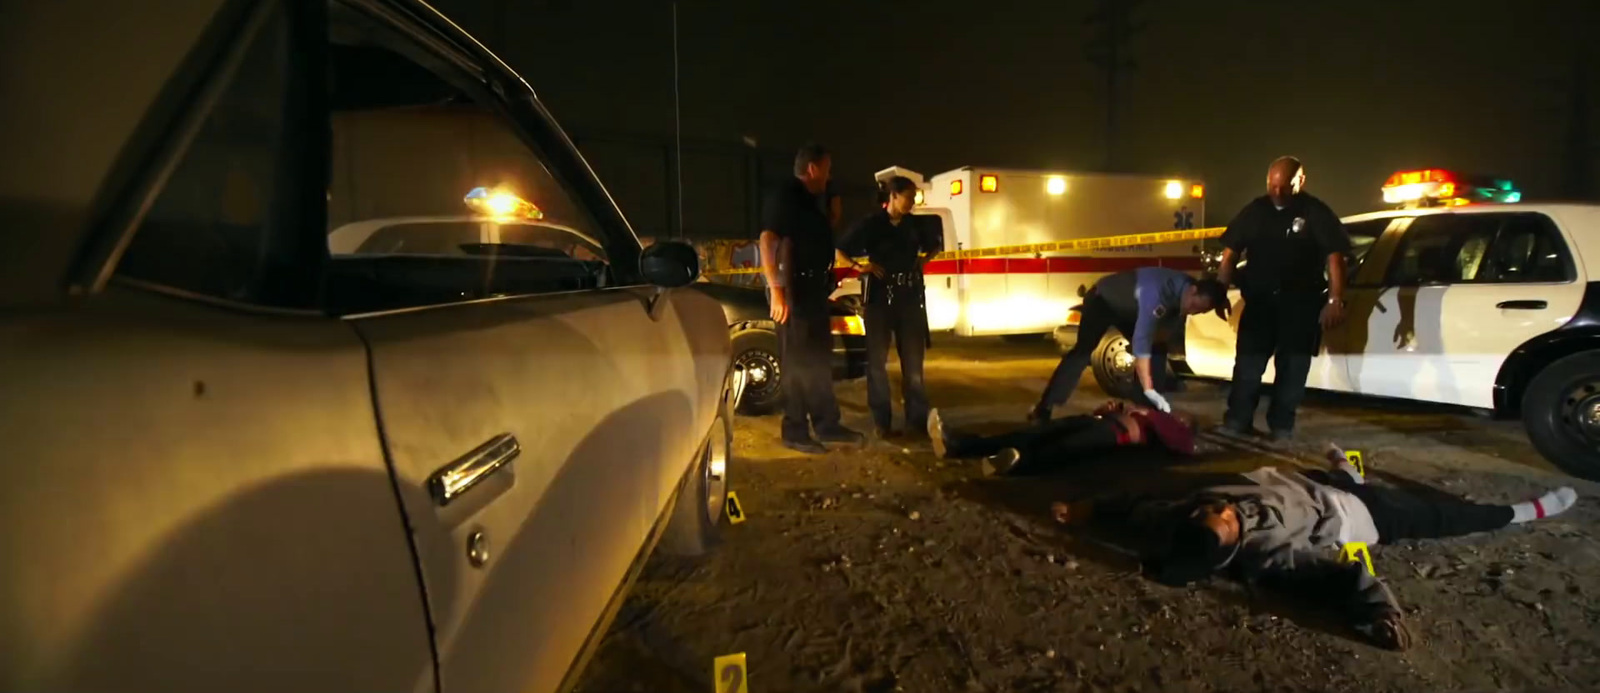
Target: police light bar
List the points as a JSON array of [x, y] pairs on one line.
[[498, 202], [1432, 186]]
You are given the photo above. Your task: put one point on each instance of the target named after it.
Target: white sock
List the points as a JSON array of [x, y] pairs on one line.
[[1552, 503], [1341, 463]]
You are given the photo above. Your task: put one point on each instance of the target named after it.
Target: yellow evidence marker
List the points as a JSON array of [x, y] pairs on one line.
[[734, 510], [1356, 552], [728, 676], [1354, 457]]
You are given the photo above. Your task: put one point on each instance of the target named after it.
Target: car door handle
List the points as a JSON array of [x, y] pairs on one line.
[[460, 476], [1521, 305]]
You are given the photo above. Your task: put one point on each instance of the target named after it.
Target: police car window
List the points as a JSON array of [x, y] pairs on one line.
[[1442, 249], [1528, 249], [420, 147], [1363, 235]]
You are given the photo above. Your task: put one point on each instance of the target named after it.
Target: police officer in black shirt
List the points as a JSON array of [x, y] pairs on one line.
[[797, 261], [1289, 240], [896, 247]]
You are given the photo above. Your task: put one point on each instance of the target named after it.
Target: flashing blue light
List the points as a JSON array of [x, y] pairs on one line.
[[1513, 196]]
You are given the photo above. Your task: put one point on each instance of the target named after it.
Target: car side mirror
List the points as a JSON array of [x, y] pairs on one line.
[[670, 264]]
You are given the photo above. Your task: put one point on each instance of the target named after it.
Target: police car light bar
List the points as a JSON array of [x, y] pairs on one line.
[[1438, 186]]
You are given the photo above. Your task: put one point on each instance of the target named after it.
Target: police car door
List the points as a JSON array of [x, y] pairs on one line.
[[1461, 292]]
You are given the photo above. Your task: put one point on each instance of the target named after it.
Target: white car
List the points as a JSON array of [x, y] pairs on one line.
[[1486, 306]]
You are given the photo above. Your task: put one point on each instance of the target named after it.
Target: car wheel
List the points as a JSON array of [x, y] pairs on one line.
[[1112, 364], [851, 301], [1561, 411], [756, 350], [697, 518]]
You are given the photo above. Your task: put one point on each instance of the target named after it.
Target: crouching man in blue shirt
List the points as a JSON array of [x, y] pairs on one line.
[[1149, 303]]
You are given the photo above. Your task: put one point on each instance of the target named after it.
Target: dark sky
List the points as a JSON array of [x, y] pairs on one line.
[[1357, 89]]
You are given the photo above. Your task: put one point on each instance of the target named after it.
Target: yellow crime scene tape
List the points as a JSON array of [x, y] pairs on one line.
[[1049, 247]]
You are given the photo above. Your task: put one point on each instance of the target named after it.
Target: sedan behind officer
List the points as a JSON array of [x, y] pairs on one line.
[[797, 259], [1293, 288], [896, 248], [1149, 303]]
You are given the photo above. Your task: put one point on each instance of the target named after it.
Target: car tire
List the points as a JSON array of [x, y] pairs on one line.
[[757, 350], [851, 301], [1552, 412], [697, 517]]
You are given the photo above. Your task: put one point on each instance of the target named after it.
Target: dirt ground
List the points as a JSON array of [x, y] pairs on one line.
[[886, 569]]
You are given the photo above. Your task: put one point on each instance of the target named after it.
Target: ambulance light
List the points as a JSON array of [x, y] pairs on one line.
[[1197, 191], [920, 200], [988, 182], [1056, 185], [1174, 189], [955, 187]]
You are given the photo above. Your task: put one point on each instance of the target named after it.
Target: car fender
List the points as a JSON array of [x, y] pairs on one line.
[[1581, 333]]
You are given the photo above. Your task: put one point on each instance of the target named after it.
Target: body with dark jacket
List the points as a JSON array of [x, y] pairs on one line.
[[895, 247], [1293, 289], [1289, 528], [1066, 441]]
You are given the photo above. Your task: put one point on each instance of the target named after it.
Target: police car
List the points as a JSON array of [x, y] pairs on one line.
[[1461, 297]]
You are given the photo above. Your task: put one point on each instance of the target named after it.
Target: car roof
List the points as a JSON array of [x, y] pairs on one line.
[[88, 87]]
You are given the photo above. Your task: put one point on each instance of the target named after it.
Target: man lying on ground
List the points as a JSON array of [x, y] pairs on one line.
[[1063, 441], [1290, 528]]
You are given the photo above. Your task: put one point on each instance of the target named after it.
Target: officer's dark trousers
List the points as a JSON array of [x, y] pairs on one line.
[[806, 340], [1286, 329], [1096, 316], [905, 321], [1400, 515]]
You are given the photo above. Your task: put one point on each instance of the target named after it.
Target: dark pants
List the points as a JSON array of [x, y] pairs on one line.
[[1286, 329], [906, 321], [1400, 515], [1096, 316], [806, 341], [1048, 445]]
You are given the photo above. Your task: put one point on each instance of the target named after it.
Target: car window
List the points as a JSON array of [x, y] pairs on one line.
[[1364, 235], [1528, 249], [1442, 249], [430, 173], [209, 230], [1481, 249]]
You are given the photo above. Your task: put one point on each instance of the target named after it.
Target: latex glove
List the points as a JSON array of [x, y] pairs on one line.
[[1157, 401]]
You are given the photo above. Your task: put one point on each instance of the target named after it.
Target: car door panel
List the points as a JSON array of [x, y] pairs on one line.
[[216, 505], [608, 406], [1445, 341]]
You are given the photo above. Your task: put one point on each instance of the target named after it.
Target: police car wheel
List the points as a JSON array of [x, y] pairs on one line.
[[696, 522], [1561, 412], [1112, 363], [756, 350], [851, 301]]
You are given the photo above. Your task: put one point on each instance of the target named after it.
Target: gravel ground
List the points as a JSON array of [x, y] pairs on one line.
[[886, 569]]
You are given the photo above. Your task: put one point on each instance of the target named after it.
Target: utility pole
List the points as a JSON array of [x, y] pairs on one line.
[[1109, 51]]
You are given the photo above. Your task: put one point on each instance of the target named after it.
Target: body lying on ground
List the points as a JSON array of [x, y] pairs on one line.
[[1290, 528], [1058, 442]]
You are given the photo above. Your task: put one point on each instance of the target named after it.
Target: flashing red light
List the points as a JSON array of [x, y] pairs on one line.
[[1427, 175]]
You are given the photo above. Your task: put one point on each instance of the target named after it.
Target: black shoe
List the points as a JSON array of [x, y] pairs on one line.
[[1001, 463], [886, 433], [936, 433], [808, 446], [841, 435], [1281, 435]]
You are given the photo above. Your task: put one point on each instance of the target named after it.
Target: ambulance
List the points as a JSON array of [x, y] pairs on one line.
[[1007, 284]]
